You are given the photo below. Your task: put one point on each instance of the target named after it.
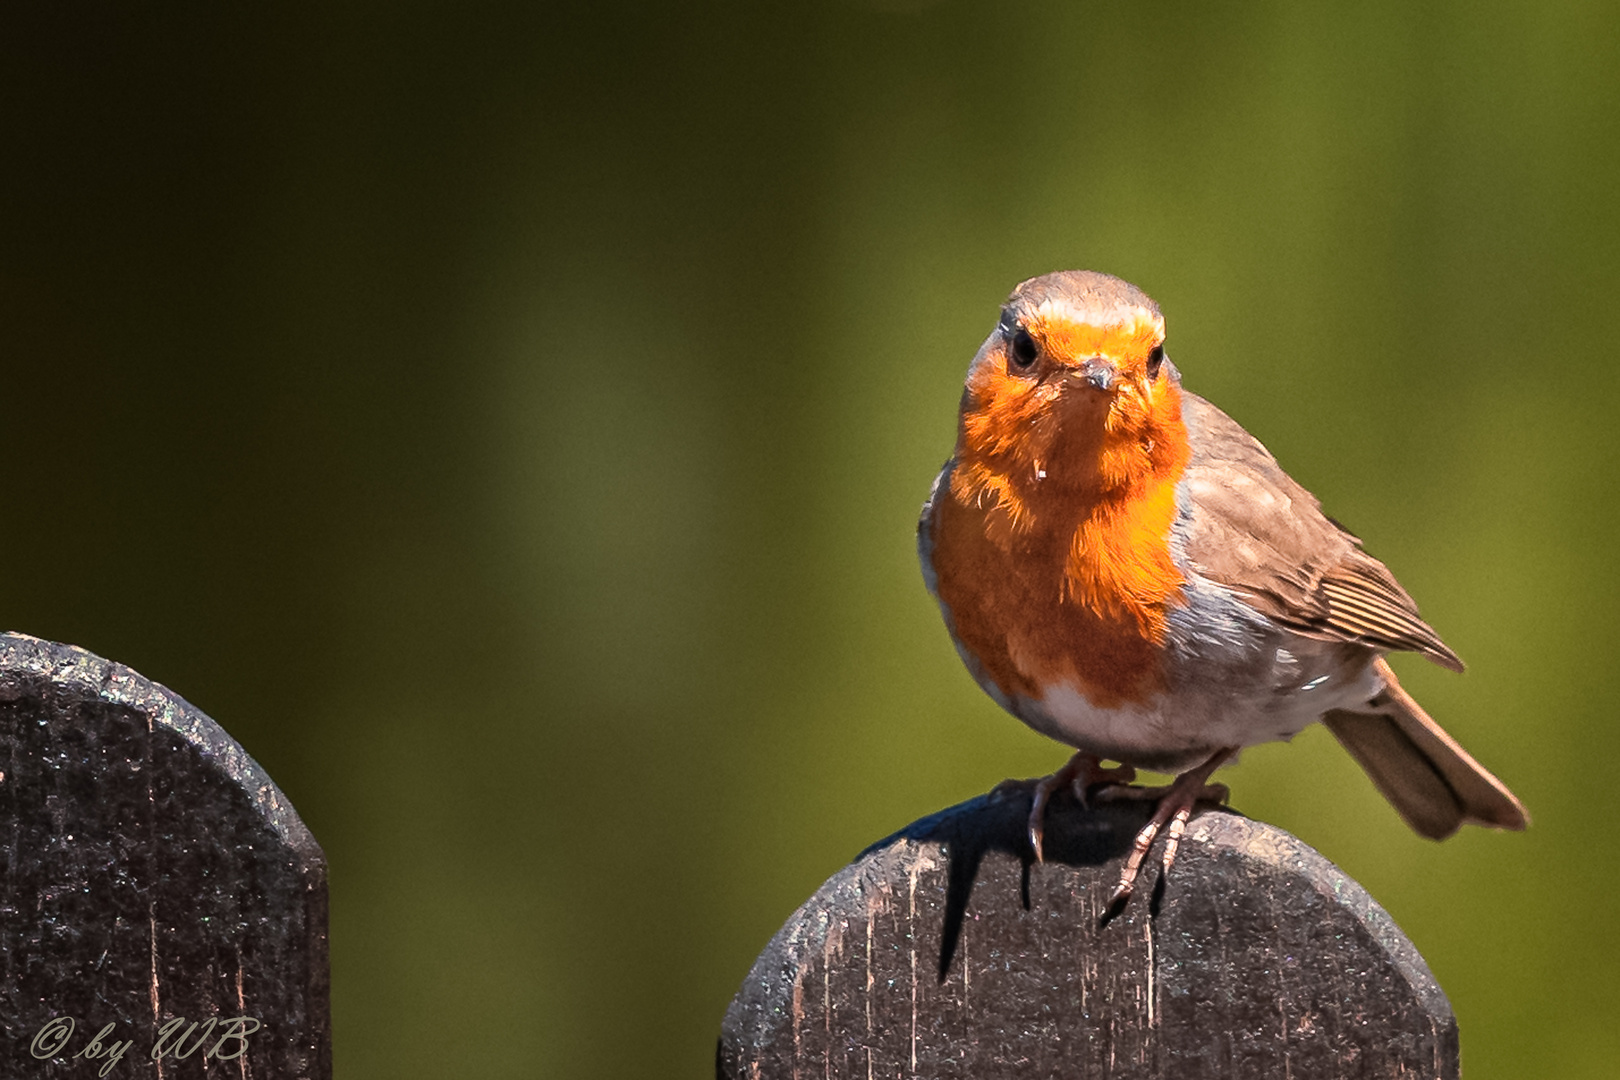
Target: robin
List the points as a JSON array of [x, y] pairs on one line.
[[1128, 571]]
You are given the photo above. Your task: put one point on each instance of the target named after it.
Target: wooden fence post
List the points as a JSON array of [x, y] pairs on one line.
[[159, 895], [944, 952]]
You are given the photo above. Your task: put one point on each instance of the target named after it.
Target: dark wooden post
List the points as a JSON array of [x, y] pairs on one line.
[[944, 952], [153, 874]]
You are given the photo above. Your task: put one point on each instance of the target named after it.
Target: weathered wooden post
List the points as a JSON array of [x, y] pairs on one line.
[[162, 908], [944, 952]]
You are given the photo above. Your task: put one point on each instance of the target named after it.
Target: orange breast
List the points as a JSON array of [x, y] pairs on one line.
[[1047, 586]]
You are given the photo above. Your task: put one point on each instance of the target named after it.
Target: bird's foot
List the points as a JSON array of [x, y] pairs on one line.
[[1081, 774], [1176, 804]]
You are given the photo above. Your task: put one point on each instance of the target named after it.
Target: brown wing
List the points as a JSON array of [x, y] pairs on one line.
[[1256, 531]]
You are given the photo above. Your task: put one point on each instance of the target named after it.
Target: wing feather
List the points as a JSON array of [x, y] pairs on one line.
[[1256, 531]]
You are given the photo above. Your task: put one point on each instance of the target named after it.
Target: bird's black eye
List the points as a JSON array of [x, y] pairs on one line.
[[1155, 361], [1023, 350]]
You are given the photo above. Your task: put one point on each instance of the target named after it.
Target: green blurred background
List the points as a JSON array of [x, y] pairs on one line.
[[509, 422]]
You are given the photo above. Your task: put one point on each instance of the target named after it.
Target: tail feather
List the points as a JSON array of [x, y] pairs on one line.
[[1433, 782]]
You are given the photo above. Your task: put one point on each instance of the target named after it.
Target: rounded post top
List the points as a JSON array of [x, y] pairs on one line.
[[945, 950]]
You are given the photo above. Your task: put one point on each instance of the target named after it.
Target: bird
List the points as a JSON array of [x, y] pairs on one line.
[[1128, 571]]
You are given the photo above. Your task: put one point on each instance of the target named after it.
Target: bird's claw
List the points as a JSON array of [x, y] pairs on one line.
[[1176, 805], [1080, 775]]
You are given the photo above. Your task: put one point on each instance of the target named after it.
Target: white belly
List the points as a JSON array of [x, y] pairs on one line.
[[1179, 728]]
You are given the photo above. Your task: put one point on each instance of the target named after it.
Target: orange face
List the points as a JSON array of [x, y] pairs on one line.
[[1066, 397]]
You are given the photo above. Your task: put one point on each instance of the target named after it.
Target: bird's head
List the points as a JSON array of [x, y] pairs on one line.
[[1072, 390]]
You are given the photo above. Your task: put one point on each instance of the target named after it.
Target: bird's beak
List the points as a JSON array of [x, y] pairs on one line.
[[1096, 372]]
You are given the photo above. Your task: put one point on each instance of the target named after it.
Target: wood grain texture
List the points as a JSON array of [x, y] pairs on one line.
[[151, 871], [943, 952]]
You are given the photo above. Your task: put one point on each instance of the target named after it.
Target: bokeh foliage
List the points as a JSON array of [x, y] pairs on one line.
[[509, 422]]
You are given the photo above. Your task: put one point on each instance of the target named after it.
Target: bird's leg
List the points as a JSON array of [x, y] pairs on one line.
[[1083, 772], [1176, 804], [1093, 775]]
